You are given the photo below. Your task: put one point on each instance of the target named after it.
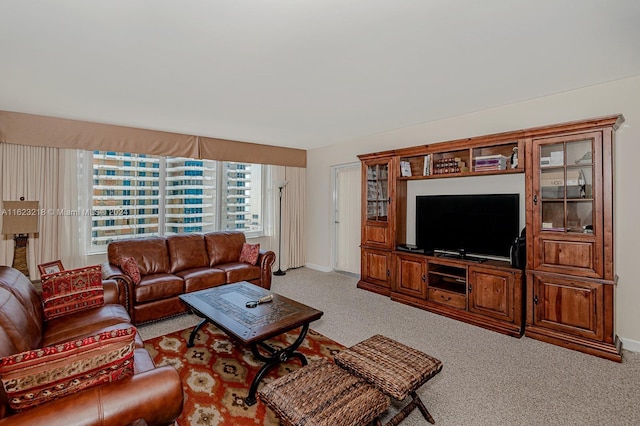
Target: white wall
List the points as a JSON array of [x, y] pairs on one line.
[[620, 96]]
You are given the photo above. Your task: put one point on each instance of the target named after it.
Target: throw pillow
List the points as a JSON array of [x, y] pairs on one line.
[[249, 253], [70, 291], [34, 377], [130, 267]]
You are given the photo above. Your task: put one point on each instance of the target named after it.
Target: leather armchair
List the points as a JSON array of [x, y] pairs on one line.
[[153, 394]]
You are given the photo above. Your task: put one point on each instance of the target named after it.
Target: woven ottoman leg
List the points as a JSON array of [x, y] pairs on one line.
[[396, 369], [425, 413]]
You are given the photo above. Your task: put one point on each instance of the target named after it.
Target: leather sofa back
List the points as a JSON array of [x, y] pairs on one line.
[[21, 316], [151, 254], [187, 251], [224, 247]]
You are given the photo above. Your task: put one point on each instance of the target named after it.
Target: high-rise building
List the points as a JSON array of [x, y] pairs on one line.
[[125, 196], [190, 195], [237, 188], [140, 195]]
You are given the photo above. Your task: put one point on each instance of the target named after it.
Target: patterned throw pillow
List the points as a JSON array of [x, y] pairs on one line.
[[249, 253], [130, 267], [72, 291], [34, 377]]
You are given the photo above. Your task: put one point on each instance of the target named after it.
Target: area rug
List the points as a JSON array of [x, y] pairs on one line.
[[217, 371]]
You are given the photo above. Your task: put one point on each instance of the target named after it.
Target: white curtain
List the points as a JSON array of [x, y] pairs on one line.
[[49, 176], [293, 216]]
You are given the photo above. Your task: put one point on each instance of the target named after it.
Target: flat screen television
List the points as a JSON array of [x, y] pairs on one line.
[[481, 225]]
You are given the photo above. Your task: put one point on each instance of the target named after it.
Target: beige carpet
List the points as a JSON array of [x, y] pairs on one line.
[[487, 379]]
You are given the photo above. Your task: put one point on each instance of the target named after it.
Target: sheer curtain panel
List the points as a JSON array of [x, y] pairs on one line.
[[46, 175], [293, 218]]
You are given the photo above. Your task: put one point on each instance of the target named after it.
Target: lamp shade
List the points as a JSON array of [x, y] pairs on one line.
[[19, 217]]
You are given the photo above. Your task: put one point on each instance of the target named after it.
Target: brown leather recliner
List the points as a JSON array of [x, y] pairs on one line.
[[152, 396], [182, 263]]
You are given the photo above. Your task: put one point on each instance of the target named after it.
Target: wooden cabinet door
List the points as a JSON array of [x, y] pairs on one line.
[[376, 234], [491, 293], [410, 276], [566, 204], [569, 306], [376, 267], [377, 202]]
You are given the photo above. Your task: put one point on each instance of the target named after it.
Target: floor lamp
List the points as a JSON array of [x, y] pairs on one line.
[[20, 220], [281, 186]]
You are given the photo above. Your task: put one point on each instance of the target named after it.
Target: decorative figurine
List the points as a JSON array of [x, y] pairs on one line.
[[514, 158]]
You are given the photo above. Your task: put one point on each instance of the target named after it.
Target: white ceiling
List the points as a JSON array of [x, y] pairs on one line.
[[303, 73]]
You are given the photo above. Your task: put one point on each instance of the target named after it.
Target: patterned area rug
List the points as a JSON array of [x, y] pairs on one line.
[[217, 371]]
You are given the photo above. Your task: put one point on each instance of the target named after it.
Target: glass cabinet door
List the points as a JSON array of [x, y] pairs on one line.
[[566, 186], [378, 192]]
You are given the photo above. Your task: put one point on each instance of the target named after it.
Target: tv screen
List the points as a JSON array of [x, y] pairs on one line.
[[483, 225]]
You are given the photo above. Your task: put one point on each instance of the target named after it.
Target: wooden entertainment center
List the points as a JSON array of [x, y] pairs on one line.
[[565, 295]]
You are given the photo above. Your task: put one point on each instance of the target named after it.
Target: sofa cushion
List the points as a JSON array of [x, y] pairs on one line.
[[224, 247], [142, 361], [249, 253], [158, 286], [85, 323], [201, 278], [33, 377], [186, 251], [237, 271], [71, 291], [130, 268], [151, 254]]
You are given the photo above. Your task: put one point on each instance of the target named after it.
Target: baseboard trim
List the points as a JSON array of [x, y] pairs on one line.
[[318, 267], [630, 345]]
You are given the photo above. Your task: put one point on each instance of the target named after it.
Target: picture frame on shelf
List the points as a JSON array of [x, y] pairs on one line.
[[50, 267], [405, 169]]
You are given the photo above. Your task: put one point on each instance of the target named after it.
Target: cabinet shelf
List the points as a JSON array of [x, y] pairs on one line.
[[460, 174], [448, 278], [468, 159], [453, 287], [453, 277]]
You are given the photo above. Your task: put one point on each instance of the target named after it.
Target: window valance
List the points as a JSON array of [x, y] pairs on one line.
[[37, 130]]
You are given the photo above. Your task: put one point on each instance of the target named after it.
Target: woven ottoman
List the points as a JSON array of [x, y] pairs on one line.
[[323, 394], [396, 369]]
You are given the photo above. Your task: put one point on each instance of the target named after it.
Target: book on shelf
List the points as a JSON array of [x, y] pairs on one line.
[[491, 157], [427, 165], [490, 162]]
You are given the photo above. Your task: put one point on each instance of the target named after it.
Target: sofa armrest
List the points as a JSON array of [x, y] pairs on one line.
[[155, 396], [111, 272], [266, 259]]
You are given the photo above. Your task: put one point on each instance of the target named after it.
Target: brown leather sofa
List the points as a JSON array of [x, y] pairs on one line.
[[152, 396], [181, 263]]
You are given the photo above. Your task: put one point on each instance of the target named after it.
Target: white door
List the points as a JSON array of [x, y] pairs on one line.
[[347, 218]]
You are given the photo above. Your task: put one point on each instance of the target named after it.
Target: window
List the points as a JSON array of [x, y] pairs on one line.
[[137, 195]]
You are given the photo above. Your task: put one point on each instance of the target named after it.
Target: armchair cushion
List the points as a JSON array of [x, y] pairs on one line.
[[72, 291], [37, 376], [249, 253]]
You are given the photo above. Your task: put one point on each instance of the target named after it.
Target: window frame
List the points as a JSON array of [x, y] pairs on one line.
[[88, 177]]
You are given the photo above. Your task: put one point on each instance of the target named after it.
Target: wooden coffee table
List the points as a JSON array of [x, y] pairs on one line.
[[225, 307]]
